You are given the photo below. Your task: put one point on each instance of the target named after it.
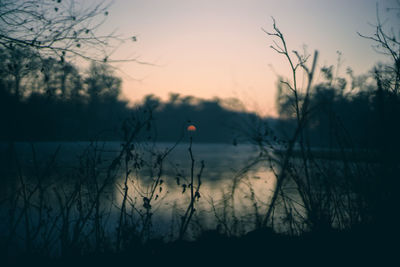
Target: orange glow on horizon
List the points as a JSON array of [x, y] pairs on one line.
[[212, 48]]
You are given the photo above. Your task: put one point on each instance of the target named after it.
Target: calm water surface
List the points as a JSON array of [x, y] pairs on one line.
[[223, 164]]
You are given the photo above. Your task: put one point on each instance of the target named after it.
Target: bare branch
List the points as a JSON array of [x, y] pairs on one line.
[[65, 28]]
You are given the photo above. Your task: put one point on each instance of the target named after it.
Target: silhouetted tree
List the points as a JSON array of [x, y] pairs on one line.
[[17, 64], [37, 39], [102, 83]]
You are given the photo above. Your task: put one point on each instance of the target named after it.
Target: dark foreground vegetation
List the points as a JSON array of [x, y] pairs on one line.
[[328, 205], [257, 247]]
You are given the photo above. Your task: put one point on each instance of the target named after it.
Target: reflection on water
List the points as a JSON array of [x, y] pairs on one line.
[[165, 182], [222, 175]]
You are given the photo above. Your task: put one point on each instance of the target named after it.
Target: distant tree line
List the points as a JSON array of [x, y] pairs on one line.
[[347, 111], [48, 99], [52, 99]]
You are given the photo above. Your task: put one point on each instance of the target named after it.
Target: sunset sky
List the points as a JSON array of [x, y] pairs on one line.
[[213, 48]]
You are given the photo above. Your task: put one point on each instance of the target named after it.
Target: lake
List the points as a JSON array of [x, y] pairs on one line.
[[158, 186]]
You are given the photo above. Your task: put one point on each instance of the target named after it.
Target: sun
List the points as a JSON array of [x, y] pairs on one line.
[[191, 128]]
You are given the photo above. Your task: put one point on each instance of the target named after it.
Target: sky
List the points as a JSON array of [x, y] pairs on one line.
[[216, 48]]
